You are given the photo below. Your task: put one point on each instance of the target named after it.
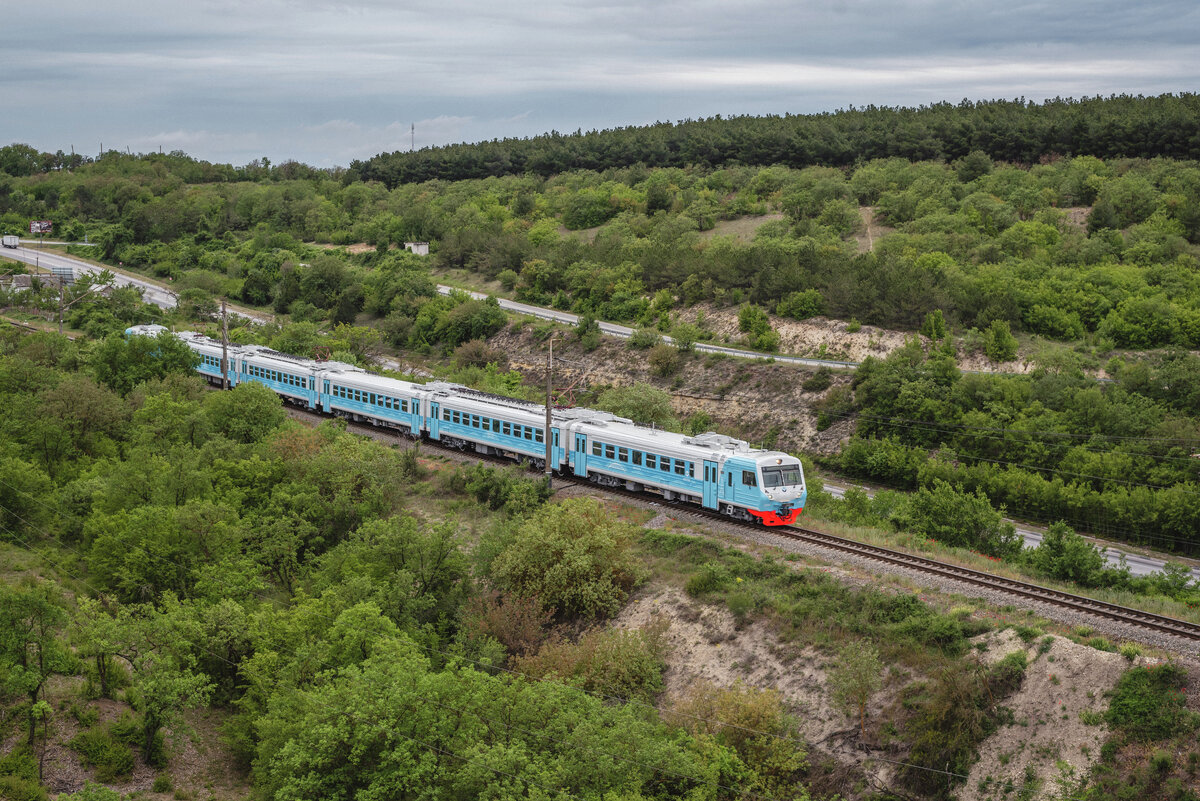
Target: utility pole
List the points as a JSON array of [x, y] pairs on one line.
[[62, 286], [549, 435], [224, 347]]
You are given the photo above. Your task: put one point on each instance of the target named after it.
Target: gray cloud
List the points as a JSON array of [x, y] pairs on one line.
[[327, 82]]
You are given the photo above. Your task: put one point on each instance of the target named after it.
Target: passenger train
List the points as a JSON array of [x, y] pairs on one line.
[[711, 470]]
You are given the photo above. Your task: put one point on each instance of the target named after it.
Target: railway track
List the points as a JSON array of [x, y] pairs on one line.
[[1121, 614]]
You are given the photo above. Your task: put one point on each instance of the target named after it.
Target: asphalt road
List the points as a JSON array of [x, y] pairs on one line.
[[1139, 565]]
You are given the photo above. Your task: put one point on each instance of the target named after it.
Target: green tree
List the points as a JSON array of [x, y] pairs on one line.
[[248, 413], [31, 618], [122, 363], [1063, 554], [934, 326]]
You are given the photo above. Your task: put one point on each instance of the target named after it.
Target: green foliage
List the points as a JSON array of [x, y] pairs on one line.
[[573, 557], [248, 413], [998, 342], [664, 360], [92, 792], [611, 662], [819, 381], [121, 364], [934, 326], [801, 305], [644, 339], [641, 403], [1149, 703], [364, 732], [1064, 555], [956, 518], [755, 724], [111, 758], [503, 488]]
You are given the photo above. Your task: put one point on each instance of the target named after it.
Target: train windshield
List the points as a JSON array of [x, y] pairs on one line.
[[786, 476]]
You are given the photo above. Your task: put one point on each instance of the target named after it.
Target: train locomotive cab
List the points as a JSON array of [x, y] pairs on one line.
[[781, 485]]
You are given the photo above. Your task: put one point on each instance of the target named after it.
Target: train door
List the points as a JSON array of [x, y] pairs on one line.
[[433, 421], [556, 450], [581, 454], [712, 478]]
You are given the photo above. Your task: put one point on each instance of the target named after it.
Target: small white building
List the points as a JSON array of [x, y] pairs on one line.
[[419, 248]]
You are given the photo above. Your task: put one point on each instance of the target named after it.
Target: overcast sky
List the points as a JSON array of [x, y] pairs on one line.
[[326, 82]]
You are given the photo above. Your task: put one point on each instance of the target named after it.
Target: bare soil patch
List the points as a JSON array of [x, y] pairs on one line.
[[1048, 738], [742, 229]]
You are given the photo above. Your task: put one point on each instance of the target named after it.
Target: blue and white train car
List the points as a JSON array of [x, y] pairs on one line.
[[710, 470], [462, 417]]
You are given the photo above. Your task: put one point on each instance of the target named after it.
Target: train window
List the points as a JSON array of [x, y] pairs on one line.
[[403, 405], [748, 478], [650, 460], [539, 435], [680, 467], [730, 478], [637, 457], [664, 464], [609, 451], [526, 432], [595, 449], [507, 430], [623, 454]]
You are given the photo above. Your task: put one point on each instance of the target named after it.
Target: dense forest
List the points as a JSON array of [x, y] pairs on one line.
[[1013, 131]]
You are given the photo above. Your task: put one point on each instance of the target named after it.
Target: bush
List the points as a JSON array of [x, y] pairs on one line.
[[519, 624], [711, 577], [644, 338], [111, 758], [801, 305], [819, 381], [1149, 704], [752, 722], [664, 360], [617, 662], [959, 519], [574, 557]]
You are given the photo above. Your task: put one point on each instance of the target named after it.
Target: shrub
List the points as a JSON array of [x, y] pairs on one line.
[[664, 360], [1131, 651], [752, 722], [111, 758], [998, 342], [959, 518], [644, 338], [519, 624], [618, 662], [477, 353], [801, 305], [711, 577], [1150, 704], [572, 556], [819, 381]]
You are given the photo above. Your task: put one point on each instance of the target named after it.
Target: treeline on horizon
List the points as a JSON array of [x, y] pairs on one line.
[[1019, 131]]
